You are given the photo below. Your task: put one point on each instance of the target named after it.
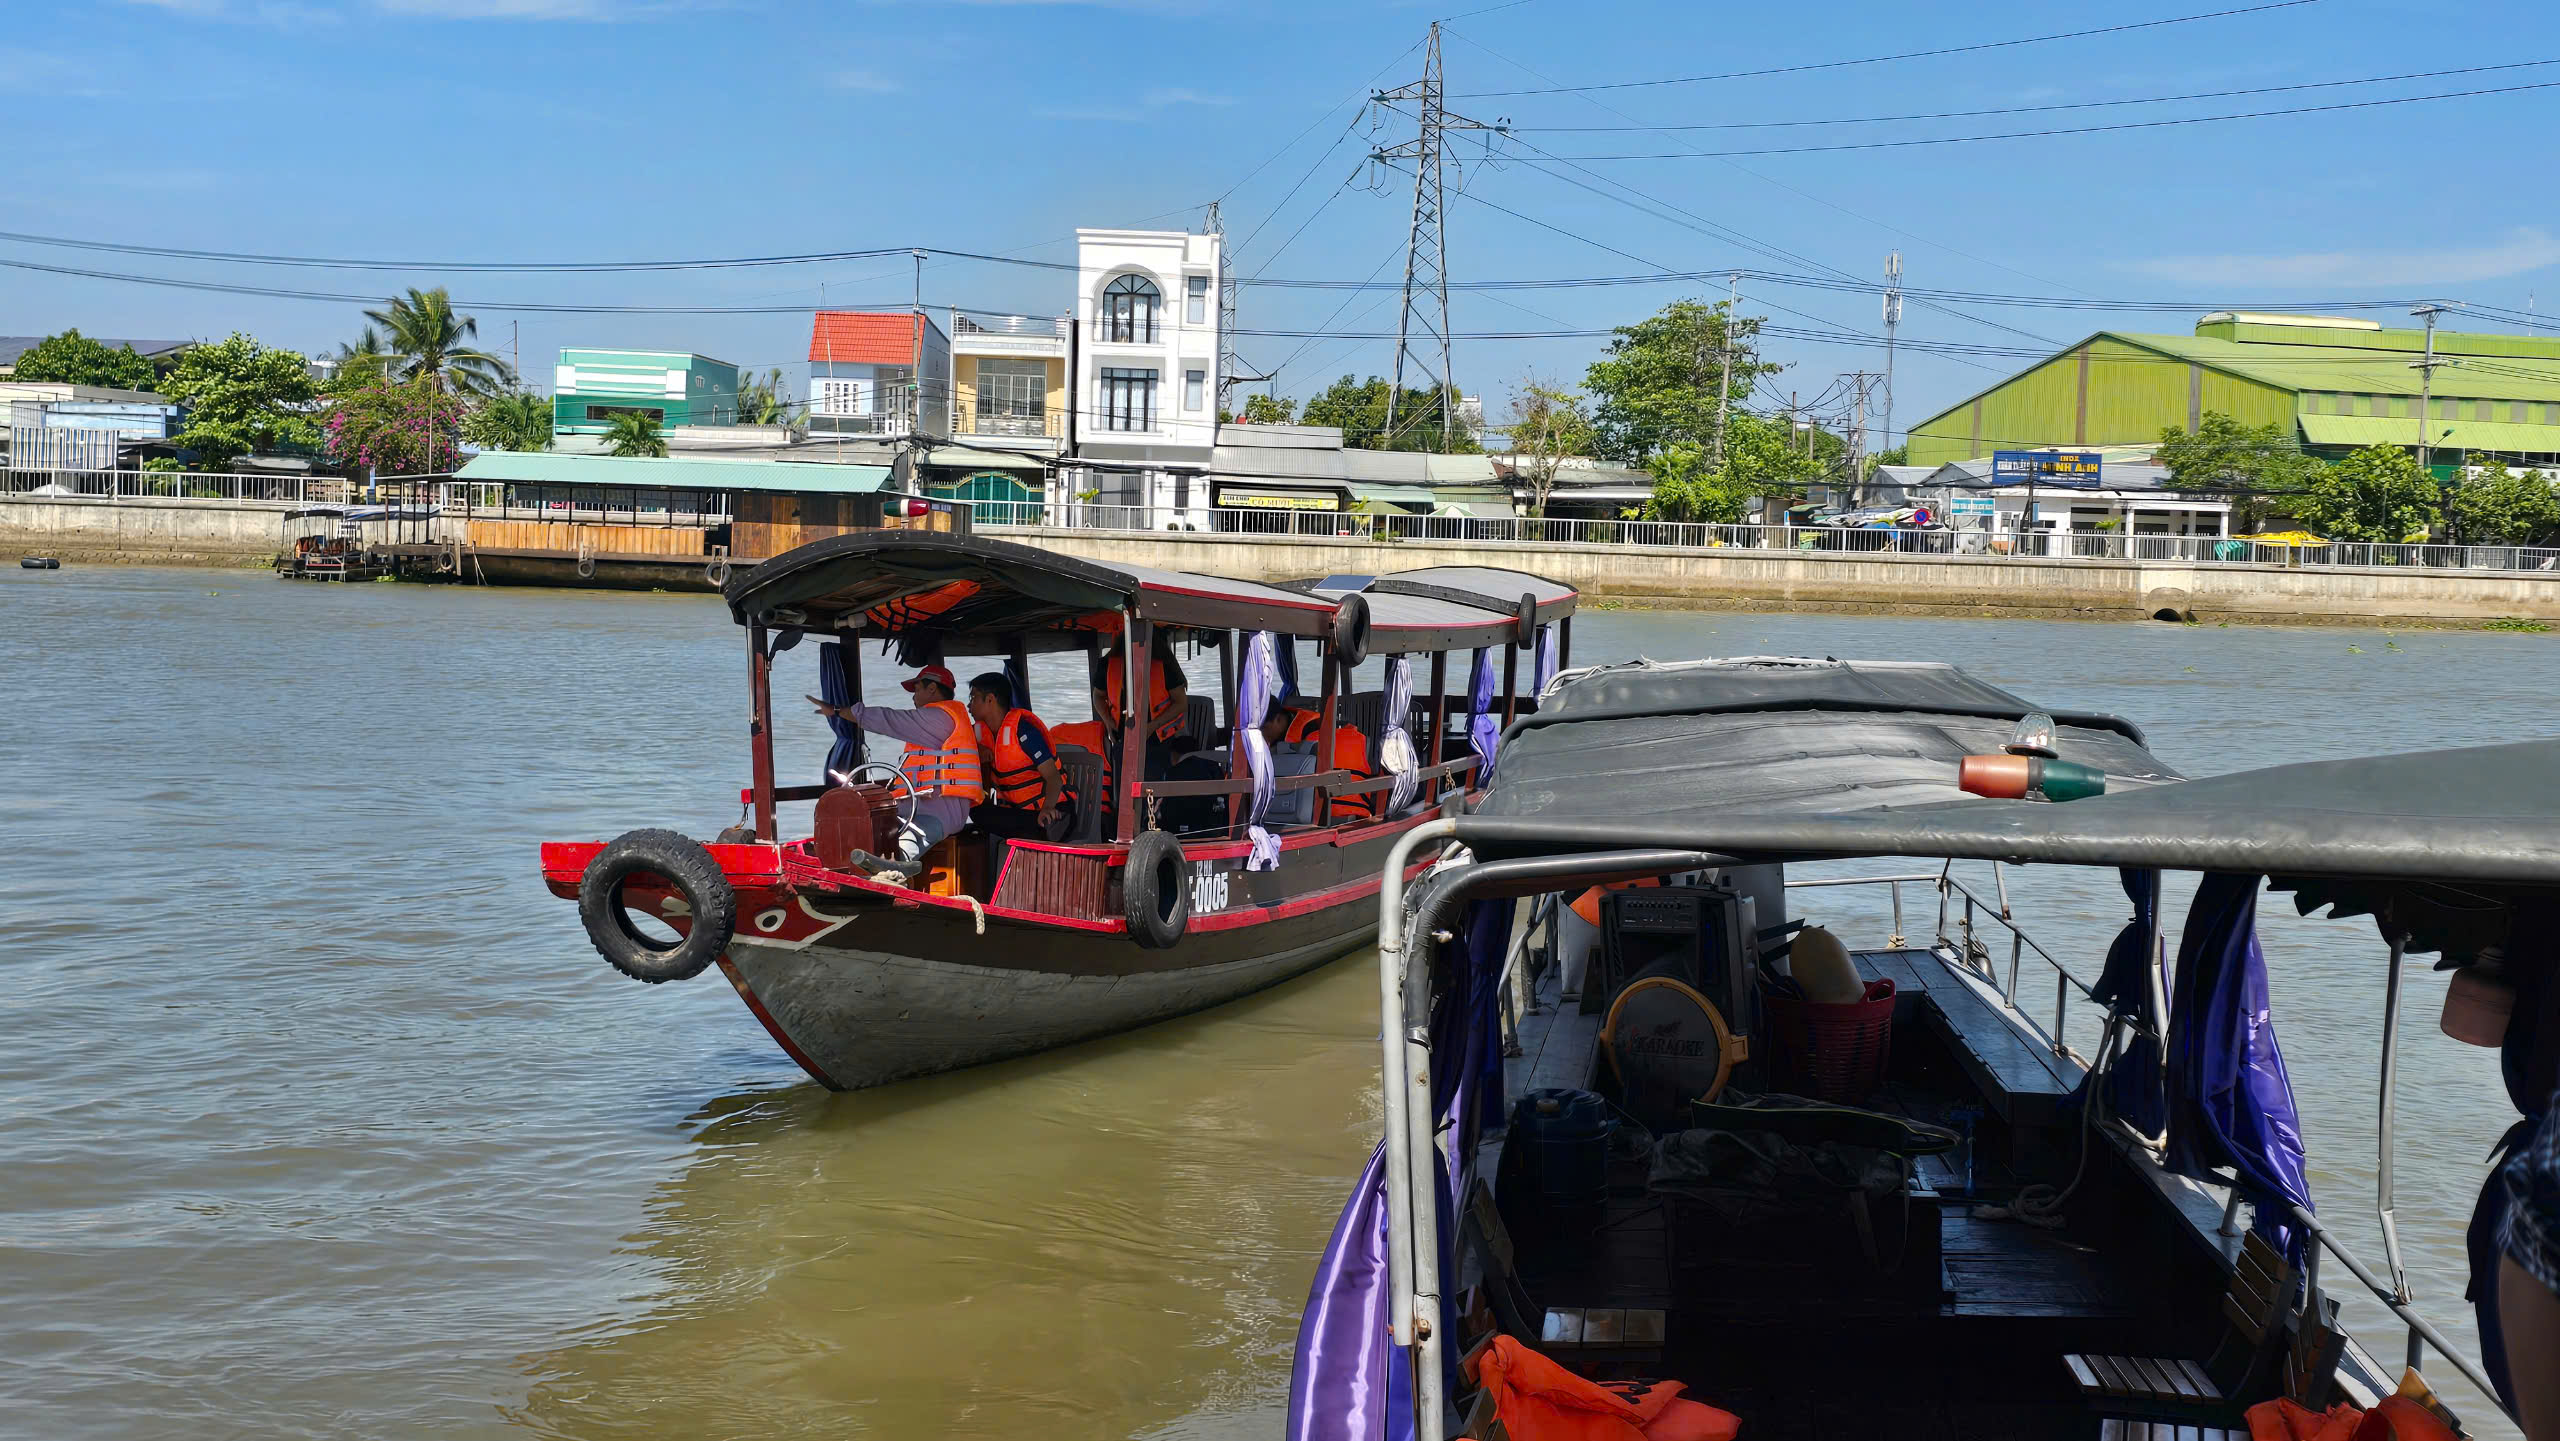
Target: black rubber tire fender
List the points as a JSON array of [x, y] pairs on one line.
[[1155, 891], [1349, 630], [683, 863], [1527, 634]]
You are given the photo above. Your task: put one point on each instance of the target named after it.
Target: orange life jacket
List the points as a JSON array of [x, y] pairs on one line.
[[1011, 773], [1114, 680], [1587, 905], [952, 769], [1350, 753], [912, 610]]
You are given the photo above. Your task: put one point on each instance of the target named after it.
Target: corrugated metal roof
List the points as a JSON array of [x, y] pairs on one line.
[[2362, 370], [2444, 434], [674, 473], [1392, 494]]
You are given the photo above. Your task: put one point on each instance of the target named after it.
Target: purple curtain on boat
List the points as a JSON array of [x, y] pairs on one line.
[[2230, 1103], [2134, 1082], [1255, 687], [1349, 1381], [1285, 649], [1484, 725], [1395, 742], [1546, 667], [835, 687]]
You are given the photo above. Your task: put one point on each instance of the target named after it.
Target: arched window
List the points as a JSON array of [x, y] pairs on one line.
[[1129, 310]]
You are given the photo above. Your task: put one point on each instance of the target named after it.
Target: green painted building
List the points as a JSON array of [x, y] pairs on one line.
[[675, 387], [2340, 383]]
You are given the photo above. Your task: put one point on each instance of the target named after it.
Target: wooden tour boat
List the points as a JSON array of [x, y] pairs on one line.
[[1837, 1190], [998, 948]]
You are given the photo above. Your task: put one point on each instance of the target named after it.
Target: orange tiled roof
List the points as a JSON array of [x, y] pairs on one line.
[[862, 337]]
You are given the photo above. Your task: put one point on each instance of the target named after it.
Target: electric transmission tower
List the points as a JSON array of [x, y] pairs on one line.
[[1422, 329], [1228, 365]]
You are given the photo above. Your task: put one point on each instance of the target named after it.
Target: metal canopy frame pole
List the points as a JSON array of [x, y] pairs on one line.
[[1510, 682], [1137, 646], [760, 729], [2386, 1123], [1439, 714], [1333, 673], [1229, 664]]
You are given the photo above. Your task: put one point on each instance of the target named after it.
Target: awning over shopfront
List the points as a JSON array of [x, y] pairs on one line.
[[1270, 497], [963, 457], [1392, 494], [2497, 435]]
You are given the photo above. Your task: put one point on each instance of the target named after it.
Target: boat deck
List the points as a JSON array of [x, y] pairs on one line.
[[1969, 1346]]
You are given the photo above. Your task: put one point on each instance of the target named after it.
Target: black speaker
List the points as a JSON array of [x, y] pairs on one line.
[[1701, 936]]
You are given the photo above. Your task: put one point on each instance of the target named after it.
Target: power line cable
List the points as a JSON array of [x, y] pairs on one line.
[[1903, 55]]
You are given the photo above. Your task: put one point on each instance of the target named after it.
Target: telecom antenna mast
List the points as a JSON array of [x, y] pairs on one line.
[[1229, 367], [1892, 319], [1422, 328]]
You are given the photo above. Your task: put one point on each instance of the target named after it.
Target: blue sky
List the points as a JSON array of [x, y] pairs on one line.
[[515, 130]]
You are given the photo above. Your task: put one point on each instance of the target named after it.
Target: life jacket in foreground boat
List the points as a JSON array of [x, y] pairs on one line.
[[1538, 1400], [953, 768], [1114, 680], [1012, 774], [1350, 753]]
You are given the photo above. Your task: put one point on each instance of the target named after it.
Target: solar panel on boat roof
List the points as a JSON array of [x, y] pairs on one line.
[[1342, 584]]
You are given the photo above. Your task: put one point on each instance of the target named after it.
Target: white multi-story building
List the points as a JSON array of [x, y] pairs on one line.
[[1146, 376]]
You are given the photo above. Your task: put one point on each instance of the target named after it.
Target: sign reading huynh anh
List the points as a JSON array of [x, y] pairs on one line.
[[2071, 469]]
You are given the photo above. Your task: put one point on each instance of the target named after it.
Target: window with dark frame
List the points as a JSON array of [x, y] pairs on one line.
[[608, 412], [1129, 307], [1196, 304], [1195, 385], [1128, 399]]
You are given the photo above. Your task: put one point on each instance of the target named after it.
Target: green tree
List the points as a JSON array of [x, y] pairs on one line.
[[423, 337], [241, 398], [2376, 494], [2260, 468], [630, 432], [1269, 410], [1763, 459], [359, 361], [1547, 423], [2493, 505], [408, 428], [1360, 409], [760, 397], [517, 420], [1664, 377], [74, 359]]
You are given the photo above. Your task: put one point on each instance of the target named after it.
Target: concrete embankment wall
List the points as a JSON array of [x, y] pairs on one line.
[[99, 532], [247, 532], [1718, 578]]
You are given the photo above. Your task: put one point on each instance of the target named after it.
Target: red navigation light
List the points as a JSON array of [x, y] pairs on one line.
[[906, 507]]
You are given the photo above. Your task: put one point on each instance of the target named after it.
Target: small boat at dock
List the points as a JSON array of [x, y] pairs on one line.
[[1658, 1148], [1170, 893]]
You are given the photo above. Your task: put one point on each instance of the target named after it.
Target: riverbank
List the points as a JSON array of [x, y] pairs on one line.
[[1703, 578]]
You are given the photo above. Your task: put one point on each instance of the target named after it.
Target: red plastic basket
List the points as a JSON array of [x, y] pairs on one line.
[[1831, 1052]]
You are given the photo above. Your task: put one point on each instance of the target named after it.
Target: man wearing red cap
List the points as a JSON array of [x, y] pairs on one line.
[[942, 764]]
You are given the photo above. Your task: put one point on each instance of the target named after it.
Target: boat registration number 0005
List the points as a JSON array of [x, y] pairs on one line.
[[1208, 888]]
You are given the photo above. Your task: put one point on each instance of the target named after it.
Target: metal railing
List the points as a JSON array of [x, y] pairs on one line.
[[1033, 327], [979, 420], [171, 486], [1397, 525], [1966, 948]]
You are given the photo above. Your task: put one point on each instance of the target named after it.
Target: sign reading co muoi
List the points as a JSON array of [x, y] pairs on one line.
[[2063, 469]]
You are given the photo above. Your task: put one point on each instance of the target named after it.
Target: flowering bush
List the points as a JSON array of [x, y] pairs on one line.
[[411, 429]]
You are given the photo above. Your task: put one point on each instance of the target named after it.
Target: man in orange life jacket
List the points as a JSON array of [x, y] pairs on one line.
[[1298, 726], [1027, 797], [1168, 691], [941, 763]]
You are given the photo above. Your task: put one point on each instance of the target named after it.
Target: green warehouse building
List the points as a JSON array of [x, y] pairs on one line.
[[675, 387], [2340, 383]]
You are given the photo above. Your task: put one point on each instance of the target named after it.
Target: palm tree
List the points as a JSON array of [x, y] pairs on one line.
[[361, 358], [760, 400], [517, 420], [632, 432], [423, 336]]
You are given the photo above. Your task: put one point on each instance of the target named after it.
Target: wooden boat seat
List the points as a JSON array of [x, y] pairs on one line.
[[2262, 1287], [2022, 1082]]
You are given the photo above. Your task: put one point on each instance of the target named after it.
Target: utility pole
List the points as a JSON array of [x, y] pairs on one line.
[[1426, 251], [1724, 393], [1892, 320], [515, 342], [1230, 369], [2427, 386]]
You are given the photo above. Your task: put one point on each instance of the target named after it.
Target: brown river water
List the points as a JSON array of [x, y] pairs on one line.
[[324, 1120]]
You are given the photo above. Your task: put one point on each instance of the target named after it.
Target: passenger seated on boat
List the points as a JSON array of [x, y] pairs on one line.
[[941, 763], [1168, 692], [1027, 796], [1300, 730]]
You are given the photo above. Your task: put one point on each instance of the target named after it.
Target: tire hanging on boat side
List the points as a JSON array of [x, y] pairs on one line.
[[1349, 630], [1527, 623], [1155, 890], [690, 870]]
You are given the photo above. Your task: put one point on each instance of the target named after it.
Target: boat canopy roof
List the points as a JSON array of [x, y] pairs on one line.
[[1833, 761], [979, 595]]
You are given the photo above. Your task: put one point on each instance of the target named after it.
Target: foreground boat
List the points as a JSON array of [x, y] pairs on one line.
[[999, 948], [1911, 1209]]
